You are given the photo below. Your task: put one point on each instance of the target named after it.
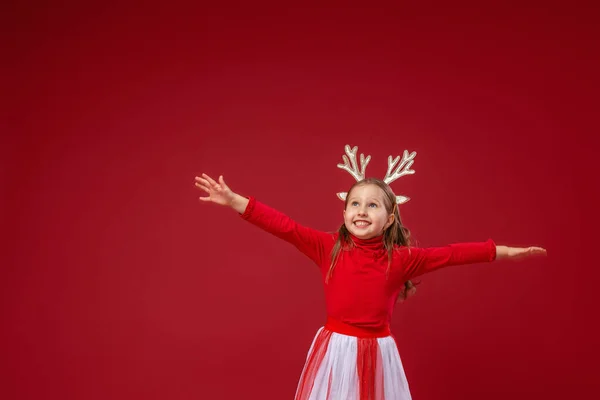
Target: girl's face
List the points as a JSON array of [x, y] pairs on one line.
[[365, 215]]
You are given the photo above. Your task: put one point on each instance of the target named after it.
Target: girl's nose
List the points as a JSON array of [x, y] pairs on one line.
[[362, 211]]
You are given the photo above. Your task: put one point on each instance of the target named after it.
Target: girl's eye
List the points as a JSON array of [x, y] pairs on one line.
[[372, 205], [355, 203]]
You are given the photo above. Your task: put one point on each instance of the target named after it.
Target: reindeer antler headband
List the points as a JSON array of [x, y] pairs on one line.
[[403, 168]]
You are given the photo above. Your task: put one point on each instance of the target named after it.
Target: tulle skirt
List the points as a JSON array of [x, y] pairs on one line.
[[344, 367]]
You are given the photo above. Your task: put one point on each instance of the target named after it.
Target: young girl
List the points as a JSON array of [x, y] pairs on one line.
[[366, 266]]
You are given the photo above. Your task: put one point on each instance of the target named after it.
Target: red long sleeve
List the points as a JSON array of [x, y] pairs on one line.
[[424, 260], [311, 242]]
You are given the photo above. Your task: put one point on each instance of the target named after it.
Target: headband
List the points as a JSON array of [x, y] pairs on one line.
[[402, 169]]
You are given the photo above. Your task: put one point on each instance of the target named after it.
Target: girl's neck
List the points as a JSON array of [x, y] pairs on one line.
[[374, 239], [374, 243]]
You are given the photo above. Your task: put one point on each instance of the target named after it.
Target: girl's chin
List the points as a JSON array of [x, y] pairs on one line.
[[362, 235]]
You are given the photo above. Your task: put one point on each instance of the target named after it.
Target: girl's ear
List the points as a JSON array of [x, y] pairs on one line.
[[390, 221]]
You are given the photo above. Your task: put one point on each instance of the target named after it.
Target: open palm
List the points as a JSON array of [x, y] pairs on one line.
[[218, 192]]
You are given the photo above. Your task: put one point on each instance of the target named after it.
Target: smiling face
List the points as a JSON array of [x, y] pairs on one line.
[[366, 215]]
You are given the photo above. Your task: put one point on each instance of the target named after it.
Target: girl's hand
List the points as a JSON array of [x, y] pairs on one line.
[[218, 193], [517, 253], [407, 291]]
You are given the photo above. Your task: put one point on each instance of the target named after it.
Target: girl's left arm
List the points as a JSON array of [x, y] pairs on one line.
[[420, 261]]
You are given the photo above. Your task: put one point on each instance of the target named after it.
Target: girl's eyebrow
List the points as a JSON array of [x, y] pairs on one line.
[[371, 199]]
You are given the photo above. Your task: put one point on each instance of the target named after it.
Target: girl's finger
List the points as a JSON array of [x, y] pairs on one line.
[[536, 251], [202, 185], [209, 179], [204, 182], [222, 182], [204, 198], [207, 190]]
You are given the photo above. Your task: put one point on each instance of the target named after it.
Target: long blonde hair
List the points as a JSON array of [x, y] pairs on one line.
[[395, 235]]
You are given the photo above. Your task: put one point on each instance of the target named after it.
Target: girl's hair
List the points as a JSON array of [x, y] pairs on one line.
[[395, 235]]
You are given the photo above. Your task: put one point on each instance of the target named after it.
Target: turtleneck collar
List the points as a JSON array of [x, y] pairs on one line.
[[373, 244]]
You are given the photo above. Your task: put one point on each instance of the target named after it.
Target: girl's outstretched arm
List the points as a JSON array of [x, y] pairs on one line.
[[315, 244], [420, 261], [219, 193], [515, 253]]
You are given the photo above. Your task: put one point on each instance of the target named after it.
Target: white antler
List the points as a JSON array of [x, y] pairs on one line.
[[351, 165], [403, 168]]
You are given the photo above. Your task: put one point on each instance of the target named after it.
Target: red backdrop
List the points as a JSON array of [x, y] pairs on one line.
[[118, 284]]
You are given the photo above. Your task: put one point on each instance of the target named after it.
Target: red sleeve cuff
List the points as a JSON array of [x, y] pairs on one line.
[[492, 245], [249, 208]]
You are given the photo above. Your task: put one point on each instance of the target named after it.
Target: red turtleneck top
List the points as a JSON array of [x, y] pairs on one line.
[[359, 293]]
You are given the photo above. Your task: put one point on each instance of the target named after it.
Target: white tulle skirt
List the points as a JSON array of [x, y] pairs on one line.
[[342, 367]]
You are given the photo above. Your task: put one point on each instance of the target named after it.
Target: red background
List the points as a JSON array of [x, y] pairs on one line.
[[118, 284]]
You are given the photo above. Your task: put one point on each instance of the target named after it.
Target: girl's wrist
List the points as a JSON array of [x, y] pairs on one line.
[[502, 252], [238, 203]]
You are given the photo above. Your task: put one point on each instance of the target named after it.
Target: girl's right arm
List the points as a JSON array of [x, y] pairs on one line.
[[309, 241]]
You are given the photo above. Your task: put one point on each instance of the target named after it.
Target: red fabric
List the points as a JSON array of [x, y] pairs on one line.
[[370, 376], [351, 330], [313, 363], [360, 293]]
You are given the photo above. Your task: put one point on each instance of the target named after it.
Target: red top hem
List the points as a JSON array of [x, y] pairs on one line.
[[338, 326]]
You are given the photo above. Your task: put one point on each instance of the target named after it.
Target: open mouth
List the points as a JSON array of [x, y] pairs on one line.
[[361, 224]]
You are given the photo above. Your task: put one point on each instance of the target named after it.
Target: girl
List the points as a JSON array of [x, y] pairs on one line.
[[365, 266]]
